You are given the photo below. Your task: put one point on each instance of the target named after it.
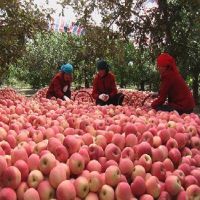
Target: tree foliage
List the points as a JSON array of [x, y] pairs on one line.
[[129, 37], [18, 23], [173, 27]]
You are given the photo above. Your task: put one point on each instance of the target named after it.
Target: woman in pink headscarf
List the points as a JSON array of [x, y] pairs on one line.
[[172, 87]]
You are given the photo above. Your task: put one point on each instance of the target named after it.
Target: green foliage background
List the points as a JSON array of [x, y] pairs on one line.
[[131, 48]]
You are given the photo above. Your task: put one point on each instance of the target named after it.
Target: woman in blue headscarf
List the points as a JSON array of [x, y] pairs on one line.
[[60, 84]]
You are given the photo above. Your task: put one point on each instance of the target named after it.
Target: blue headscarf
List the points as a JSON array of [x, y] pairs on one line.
[[66, 68]]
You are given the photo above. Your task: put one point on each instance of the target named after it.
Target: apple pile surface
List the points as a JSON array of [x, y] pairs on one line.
[[132, 97], [52, 149]]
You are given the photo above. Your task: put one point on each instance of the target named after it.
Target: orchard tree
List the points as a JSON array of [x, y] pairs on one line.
[[48, 51], [43, 58], [19, 22], [172, 26]]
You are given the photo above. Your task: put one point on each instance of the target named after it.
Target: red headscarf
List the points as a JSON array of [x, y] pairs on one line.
[[165, 60]]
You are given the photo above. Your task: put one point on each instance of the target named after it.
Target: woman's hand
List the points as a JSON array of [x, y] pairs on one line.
[[104, 97], [67, 99]]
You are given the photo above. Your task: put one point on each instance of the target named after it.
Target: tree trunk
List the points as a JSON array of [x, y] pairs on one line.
[[87, 85], [142, 84], [122, 83], [195, 87], [86, 81], [2, 74], [163, 5]]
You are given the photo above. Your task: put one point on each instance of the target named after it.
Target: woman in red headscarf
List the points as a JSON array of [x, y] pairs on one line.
[[172, 87]]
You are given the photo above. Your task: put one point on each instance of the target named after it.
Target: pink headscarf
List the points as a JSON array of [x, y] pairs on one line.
[[165, 60]]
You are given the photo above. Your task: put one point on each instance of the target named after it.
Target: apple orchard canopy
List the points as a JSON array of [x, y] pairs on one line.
[[166, 60]]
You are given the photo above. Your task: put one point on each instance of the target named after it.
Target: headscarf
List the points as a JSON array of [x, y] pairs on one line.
[[166, 60], [66, 68], [102, 64]]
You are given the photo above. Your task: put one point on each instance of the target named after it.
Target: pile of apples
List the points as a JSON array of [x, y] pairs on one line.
[[132, 97], [52, 149], [9, 94], [137, 98], [41, 93]]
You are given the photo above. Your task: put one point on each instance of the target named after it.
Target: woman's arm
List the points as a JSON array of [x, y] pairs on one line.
[[95, 93], [58, 90], [113, 87], [163, 92]]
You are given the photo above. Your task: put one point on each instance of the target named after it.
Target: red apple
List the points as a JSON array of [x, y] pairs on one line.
[[95, 151], [158, 170], [109, 135], [193, 192], [84, 153], [190, 180], [106, 193], [7, 194], [76, 163], [33, 161], [164, 135], [171, 143], [47, 162], [3, 165], [128, 152], [156, 141], [126, 166], [180, 175], [72, 144], [138, 186], [195, 142], [182, 195], [34, 178], [168, 164], [31, 194], [66, 190], [94, 165], [131, 140], [23, 168], [45, 190], [175, 156], [164, 196], [11, 177], [196, 174], [138, 170], [143, 148], [147, 136], [11, 139], [146, 161], [123, 191], [3, 134], [197, 159], [5, 146], [95, 181], [173, 185], [81, 185], [181, 140], [119, 140], [19, 154], [129, 128], [186, 168], [153, 186], [101, 141], [112, 175], [146, 197], [61, 153], [91, 196], [87, 139], [58, 174], [21, 190], [110, 163], [112, 152]]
